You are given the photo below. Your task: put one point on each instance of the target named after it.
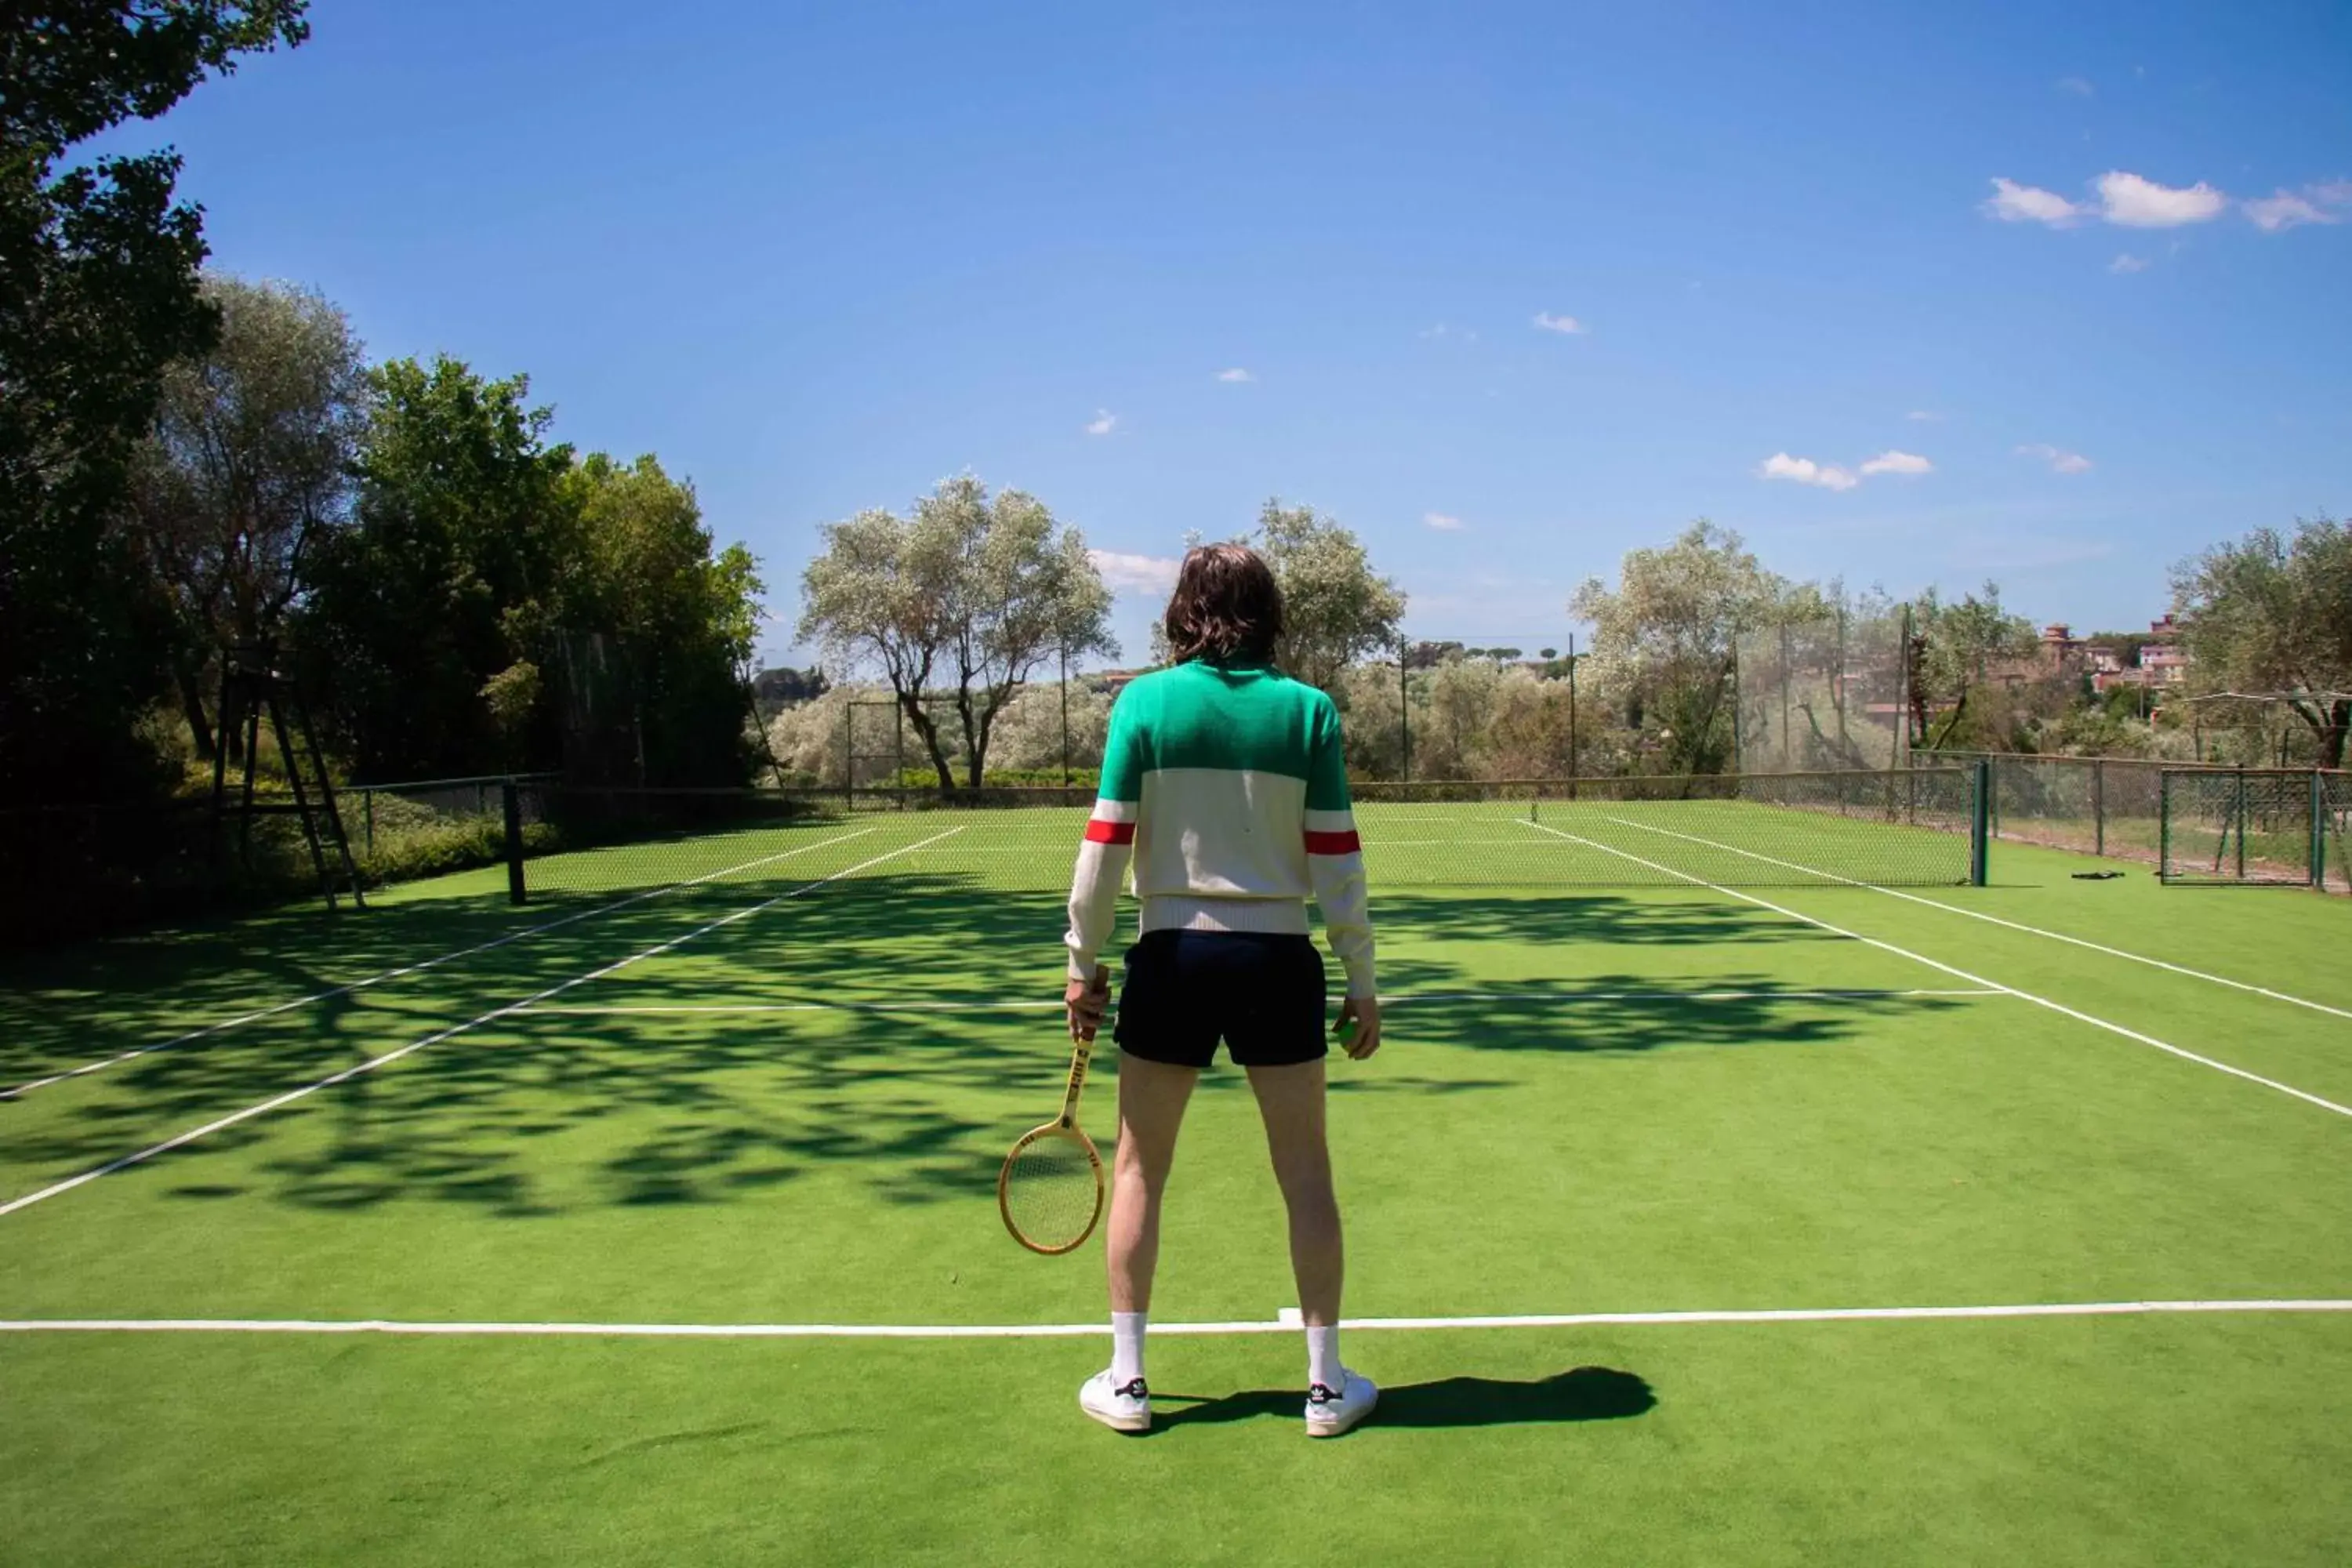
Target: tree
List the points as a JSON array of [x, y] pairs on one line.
[[98, 293], [977, 589], [685, 621], [453, 570], [1335, 607], [1955, 650], [249, 463], [2271, 616], [1667, 637], [785, 687]]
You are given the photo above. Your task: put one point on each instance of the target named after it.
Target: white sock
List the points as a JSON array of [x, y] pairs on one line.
[[1323, 1358], [1127, 1346]]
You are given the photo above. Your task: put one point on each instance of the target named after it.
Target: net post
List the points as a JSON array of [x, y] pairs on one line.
[[1981, 823], [2318, 830], [511, 806]]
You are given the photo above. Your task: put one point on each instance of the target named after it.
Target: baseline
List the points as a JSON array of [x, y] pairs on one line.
[[1569, 999], [1957, 973], [408, 969], [1091, 1331], [291, 1096], [1996, 919]]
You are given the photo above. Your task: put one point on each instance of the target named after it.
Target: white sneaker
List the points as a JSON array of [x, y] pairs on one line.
[[1124, 1407], [1328, 1414]]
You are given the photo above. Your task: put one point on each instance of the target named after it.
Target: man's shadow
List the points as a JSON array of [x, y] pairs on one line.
[[1583, 1393]]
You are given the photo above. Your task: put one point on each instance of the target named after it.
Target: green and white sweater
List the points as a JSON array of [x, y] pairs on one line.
[[1225, 786]]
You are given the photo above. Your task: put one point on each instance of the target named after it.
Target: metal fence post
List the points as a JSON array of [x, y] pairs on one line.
[[1575, 765], [2099, 807], [1404, 713], [1979, 835], [2318, 830], [2242, 825], [510, 801]]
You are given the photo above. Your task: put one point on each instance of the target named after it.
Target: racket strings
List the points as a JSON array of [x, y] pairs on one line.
[[1052, 1190]]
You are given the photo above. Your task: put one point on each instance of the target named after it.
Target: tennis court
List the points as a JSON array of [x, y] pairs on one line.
[[1738, 1184]]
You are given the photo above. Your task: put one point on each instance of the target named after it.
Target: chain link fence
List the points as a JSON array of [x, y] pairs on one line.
[[2116, 807]]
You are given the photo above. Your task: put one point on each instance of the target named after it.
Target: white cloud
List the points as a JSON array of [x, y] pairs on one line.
[[1442, 522], [1103, 422], [2060, 462], [2284, 210], [2075, 85], [1236, 374], [2129, 263], [2290, 209], [2013, 203], [1924, 416], [2136, 203], [1150, 575], [1893, 462], [1805, 471], [1438, 330], [1568, 325]]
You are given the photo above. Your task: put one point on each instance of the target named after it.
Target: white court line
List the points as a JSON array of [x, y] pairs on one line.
[[1097, 1330], [1996, 919], [2132, 1034], [88, 1067], [348, 1073], [1560, 998]]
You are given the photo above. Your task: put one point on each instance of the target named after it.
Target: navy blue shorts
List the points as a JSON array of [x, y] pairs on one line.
[[1185, 989]]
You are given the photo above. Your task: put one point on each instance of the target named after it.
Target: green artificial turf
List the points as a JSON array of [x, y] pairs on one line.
[[1644, 1107]]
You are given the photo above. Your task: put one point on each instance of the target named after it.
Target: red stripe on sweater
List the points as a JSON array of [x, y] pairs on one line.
[[1334, 843], [1101, 832]]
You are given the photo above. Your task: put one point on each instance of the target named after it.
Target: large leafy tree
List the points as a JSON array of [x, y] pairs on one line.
[[249, 464], [426, 623], [970, 588], [1335, 608], [1667, 638], [1957, 649], [685, 619], [99, 291], [2271, 616]]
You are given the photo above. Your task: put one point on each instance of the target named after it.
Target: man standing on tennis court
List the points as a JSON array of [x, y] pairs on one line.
[[1222, 780]]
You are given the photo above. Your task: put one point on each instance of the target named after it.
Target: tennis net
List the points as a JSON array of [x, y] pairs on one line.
[[1905, 827]]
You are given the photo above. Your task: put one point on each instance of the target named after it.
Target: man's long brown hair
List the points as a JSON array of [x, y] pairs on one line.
[[1226, 605]]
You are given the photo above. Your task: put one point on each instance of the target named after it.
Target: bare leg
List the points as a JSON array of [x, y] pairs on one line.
[[1151, 1100], [1290, 1102]]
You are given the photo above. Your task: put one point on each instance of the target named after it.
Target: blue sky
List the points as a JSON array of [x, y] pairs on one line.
[[817, 258]]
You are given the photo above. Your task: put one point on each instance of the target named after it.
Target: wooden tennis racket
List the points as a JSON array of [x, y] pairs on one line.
[[1050, 1191]]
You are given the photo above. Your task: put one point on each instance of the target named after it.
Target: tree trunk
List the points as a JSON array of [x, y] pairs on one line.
[[929, 733], [1950, 725], [192, 704], [2329, 726]]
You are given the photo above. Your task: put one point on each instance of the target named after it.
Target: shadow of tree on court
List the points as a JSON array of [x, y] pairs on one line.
[[62, 1007], [1581, 1394], [710, 1108]]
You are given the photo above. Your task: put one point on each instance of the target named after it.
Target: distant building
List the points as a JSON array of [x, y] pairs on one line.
[[2163, 662]]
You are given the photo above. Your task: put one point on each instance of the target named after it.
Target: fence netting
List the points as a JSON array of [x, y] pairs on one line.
[[1889, 827], [2247, 825], [1825, 691]]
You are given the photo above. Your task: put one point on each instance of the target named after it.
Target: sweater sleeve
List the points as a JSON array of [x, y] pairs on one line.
[[1108, 844], [1335, 857]]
